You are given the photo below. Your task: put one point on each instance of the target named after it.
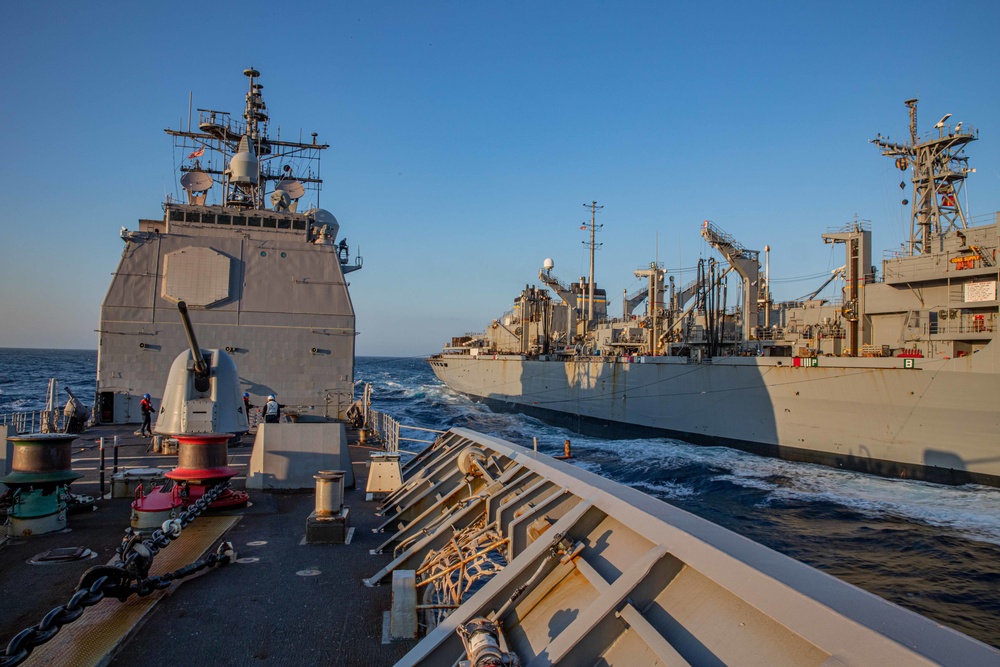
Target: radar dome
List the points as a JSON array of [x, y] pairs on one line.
[[293, 188], [196, 181], [548, 264], [244, 166], [323, 218]]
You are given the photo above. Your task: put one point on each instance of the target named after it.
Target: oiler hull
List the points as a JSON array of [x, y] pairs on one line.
[[935, 420]]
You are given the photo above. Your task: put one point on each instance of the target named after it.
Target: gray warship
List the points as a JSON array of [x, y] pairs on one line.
[[900, 377], [471, 551], [265, 279]]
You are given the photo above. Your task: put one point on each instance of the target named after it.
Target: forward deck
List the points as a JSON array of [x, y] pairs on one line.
[[282, 602]]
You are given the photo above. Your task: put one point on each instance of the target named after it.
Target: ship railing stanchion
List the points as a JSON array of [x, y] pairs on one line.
[[102, 467]]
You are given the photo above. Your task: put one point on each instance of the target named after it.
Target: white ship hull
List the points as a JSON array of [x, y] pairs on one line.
[[936, 421]]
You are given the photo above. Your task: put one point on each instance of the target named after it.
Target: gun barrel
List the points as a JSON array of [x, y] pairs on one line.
[[200, 367]]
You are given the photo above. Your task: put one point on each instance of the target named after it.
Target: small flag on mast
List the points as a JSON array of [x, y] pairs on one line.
[[197, 153], [583, 226]]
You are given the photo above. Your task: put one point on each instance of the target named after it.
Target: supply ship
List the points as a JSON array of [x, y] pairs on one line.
[[900, 377], [471, 551]]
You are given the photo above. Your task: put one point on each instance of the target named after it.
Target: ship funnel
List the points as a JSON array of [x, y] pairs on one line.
[[244, 167]]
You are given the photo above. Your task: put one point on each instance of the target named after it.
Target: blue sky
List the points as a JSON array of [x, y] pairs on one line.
[[465, 137]]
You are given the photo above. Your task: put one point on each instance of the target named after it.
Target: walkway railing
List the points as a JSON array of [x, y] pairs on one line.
[[387, 429], [32, 422]]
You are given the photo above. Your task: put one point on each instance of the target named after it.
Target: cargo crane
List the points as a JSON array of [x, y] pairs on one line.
[[836, 273], [633, 300], [685, 294], [747, 264], [564, 292], [651, 291], [704, 283], [857, 239]]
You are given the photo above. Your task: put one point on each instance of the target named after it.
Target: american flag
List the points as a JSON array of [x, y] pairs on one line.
[[197, 153]]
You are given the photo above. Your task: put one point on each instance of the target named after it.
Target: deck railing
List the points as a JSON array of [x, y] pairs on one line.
[[33, 421], [967, 323], [387, 429]]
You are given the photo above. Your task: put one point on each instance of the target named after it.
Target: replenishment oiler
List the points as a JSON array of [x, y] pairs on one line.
[[900, 377], [474, 551]]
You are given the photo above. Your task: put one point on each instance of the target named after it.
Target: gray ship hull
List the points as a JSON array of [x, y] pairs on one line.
[[935, 421]]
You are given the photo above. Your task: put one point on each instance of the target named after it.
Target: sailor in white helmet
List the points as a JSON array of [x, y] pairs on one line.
[[272, 411]]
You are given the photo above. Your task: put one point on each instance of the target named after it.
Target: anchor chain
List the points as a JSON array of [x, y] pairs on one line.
[[129, 576]]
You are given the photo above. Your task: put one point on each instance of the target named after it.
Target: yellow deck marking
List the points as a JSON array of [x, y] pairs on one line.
[[89, 640]]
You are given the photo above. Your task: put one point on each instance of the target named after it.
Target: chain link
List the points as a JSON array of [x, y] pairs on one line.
[[127, 577]]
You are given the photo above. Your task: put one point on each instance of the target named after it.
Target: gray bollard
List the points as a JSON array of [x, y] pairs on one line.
[[329, 523], [329, 492]]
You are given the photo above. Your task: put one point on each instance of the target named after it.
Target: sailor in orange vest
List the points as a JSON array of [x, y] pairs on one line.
[[147, 413]]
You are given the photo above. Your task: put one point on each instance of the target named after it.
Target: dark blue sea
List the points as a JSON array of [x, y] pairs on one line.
[[932, 549]]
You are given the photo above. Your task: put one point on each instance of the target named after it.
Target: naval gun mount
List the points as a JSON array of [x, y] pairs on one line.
[[203, 392], [202, 408]]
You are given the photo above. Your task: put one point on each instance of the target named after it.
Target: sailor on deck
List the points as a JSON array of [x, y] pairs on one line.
[[147, 413], [272, 411]]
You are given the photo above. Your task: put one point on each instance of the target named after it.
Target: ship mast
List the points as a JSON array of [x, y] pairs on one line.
[[247, 154], [249, 186], [594, 208], [938, 173]]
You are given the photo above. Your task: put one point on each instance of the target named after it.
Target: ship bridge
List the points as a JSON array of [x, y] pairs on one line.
[[227, 217]]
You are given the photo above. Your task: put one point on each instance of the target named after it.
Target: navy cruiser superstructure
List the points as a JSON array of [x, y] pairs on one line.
[[264, 280]]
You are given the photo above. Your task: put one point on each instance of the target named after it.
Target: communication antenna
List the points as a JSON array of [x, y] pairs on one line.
[[594, 208]]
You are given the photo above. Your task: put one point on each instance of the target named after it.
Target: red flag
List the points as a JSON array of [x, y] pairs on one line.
[[583, 226], [197, 153]]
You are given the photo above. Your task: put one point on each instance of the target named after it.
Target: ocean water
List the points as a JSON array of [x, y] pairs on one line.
[[932, 549], [25, 374]]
